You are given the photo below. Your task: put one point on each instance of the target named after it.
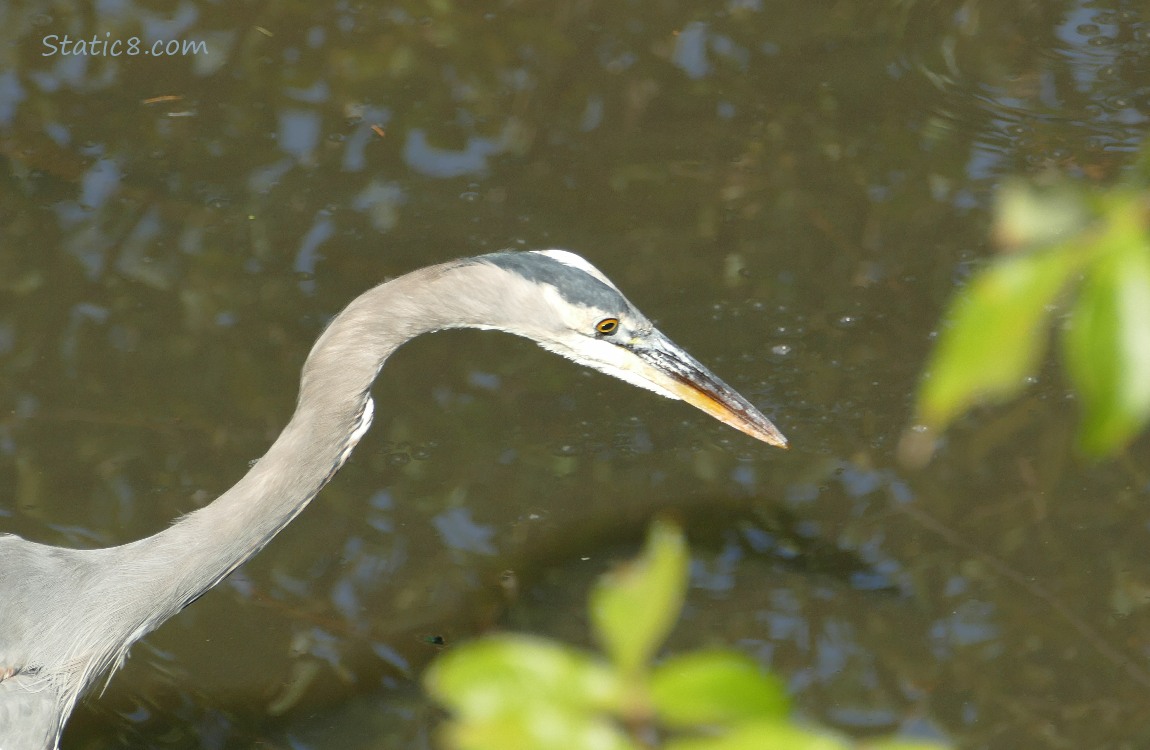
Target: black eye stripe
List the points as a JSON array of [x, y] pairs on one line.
[[607, 326]]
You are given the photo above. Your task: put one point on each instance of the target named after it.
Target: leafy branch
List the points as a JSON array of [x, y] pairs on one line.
[[1072, 256], [528, 693]]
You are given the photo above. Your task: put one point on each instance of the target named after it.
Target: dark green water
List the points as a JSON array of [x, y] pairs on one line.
[[792, 191]]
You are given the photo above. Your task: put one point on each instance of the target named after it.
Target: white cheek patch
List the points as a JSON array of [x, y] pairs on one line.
[[618, 363], [573, 317]]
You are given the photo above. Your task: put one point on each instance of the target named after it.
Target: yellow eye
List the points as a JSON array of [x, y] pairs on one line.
[[607, 326]]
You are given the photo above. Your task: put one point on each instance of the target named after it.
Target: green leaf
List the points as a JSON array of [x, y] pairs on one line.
[[1028, 216], [493, 675], [993, 335], [1107, 345], [762, 736], [715, 687], [539, 728], [634, 608]]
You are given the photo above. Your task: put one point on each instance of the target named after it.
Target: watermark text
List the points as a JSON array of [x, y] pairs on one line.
[[133, 46]]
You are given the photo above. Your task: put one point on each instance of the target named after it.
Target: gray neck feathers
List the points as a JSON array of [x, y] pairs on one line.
[[120, 593]]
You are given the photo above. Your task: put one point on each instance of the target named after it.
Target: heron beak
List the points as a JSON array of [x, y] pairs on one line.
[[673, 370]]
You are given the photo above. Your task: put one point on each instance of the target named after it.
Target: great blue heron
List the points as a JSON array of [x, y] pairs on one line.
[[67, 615]]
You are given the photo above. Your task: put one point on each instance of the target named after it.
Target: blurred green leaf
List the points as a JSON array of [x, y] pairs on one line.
[[994, 333], [523, 693], [491, 676], [634, 607], [1029, 216], [540, 727], [762, 736], [715, 687], [1107, 341]]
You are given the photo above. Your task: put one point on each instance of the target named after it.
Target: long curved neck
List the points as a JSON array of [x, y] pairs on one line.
[[115, 595], [332, 412]]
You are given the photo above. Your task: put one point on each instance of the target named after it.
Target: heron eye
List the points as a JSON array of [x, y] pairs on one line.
[[607, 326]]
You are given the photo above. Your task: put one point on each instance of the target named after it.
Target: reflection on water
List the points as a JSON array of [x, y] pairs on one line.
[[1035, 85], [790, 191]]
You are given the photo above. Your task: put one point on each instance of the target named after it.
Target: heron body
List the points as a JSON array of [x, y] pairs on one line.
[[68, 616]]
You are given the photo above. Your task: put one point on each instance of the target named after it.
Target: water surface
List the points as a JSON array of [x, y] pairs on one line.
[[791, 192]]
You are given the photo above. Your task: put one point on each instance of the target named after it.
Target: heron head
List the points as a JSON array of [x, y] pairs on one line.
[[569, 307]]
